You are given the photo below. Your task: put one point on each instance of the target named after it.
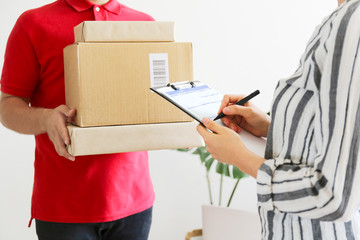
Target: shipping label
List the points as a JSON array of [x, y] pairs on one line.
[[159, 69]]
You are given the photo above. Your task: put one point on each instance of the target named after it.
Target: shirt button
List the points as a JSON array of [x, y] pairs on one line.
[[97, 9]]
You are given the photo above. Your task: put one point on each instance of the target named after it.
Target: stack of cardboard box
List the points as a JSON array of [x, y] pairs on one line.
[[108, 72]]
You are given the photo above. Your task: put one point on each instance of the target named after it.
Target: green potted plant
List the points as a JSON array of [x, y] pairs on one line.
[[224, 222], [224, 170]]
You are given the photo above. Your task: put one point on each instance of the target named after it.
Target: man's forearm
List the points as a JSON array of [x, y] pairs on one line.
[[17, 115]]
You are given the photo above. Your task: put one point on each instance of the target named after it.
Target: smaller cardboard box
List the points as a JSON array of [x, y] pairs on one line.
[[109, 83], [124, 31], [129, 138]]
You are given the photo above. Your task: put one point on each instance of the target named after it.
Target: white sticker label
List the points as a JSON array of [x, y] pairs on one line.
[[159, 69]]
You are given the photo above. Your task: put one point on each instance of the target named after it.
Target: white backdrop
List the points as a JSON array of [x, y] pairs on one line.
[[239, 46]]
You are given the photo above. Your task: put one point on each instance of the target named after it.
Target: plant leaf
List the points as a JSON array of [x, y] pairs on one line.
[[237, 174], [203, 156], [226, 170], [183, 150], [197, 151], [200, 150], [208, 164], [219, 167]]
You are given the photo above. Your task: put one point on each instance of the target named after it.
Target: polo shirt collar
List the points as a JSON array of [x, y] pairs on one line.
[[83, 5]]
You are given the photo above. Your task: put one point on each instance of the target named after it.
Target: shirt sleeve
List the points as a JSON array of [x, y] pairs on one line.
[[326, 190], [21, 69]]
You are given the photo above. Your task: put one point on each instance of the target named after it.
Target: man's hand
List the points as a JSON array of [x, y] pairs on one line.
[[17, 115], [55, 125]]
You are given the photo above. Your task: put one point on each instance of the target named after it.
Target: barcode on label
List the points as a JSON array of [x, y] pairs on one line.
[[159, 69]]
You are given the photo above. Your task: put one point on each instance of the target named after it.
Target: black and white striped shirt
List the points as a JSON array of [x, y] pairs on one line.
[[309, 187]]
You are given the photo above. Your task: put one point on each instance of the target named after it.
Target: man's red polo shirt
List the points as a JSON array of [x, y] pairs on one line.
[[93, 188]]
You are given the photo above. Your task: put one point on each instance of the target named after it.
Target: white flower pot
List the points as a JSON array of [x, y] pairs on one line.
[[220, 223]]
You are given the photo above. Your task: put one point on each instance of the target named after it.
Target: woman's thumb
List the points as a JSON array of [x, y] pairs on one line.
[[213, 126]]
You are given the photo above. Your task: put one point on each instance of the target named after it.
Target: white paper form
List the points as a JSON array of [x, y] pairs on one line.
[[200, 100]]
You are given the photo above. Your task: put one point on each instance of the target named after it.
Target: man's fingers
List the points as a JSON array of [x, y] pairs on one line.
[[64, 134], [71, 113], [60, 138], [60, 147], [64, 153], [68, 112], [63, 109], [55, 123], [71, 116]]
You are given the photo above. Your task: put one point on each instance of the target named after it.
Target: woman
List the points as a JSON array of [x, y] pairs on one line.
[[307, 181]]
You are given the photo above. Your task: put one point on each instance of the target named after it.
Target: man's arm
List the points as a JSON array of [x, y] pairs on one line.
[[17, 115]]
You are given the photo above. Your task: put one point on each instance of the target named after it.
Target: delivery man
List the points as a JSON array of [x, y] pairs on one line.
[[94, 197]]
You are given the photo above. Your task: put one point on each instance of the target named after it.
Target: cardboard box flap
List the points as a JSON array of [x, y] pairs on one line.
[[124, 31]]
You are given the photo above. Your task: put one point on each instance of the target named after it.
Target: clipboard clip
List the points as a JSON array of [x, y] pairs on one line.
[[177, 88], [172, 86]]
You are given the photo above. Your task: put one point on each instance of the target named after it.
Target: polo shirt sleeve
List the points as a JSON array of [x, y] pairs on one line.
[[21, 68]]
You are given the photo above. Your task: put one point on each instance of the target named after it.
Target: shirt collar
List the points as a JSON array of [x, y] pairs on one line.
[[83, 5]]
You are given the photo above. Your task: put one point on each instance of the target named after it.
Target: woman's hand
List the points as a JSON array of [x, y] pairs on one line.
[[248, 117], [226, 146]]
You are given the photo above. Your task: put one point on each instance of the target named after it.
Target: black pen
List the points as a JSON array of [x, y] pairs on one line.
[[241, 102]]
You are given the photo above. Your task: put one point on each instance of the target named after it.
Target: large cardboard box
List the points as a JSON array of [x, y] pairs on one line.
[[108, 83], [124, 31], [115, 139]]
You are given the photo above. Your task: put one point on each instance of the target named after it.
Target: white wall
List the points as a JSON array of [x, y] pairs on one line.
[[239, 46]]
